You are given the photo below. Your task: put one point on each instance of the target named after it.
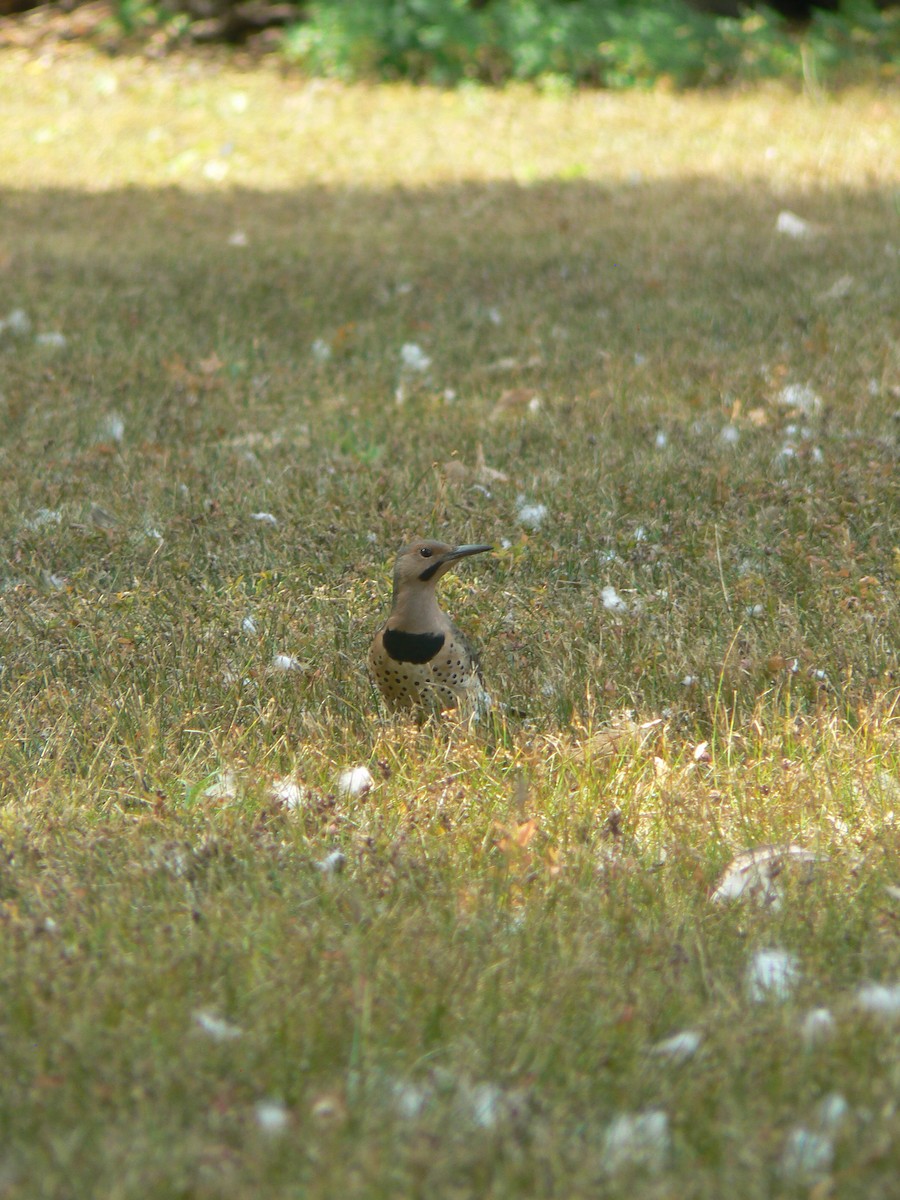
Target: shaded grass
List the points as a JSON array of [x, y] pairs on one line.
[[639, 293]]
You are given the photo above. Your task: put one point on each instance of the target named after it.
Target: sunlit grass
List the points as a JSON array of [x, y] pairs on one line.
[[202, 124], [615, 326]]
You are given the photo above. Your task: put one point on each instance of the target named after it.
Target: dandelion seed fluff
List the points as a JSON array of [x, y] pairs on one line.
[[217, 1028], [18, 323], [414, 357], [801, 396], [612, 601], [271, 1116], [486, 1104], [807, 1154], [288, 792], [532, 516], [680, 1046], [355, 781], [51, 340], [332, 864], [637, 1140], [833, 1110], [879, 999], [817, 1026], [772, 975], [791, 225]]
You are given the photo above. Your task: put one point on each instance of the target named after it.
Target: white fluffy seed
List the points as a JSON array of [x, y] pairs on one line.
[[529, 514], [807, 1154], [288, 792], [271, 1116], [414, 357], [355, 781], [879, 999], [801, 396], [772, 975], [637, 1140], [332, 864], [612, 601], [817, 1026], [51, 340], [18, 323], [793, 226], [680, 1046], [217, 1028]]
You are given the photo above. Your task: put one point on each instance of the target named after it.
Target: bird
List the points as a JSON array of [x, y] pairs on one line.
[[418, 658]]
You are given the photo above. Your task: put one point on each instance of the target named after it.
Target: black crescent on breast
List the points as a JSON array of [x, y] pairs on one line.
[[412, 647]]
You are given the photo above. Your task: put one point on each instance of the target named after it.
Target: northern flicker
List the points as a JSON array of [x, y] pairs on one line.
[[418, 658]]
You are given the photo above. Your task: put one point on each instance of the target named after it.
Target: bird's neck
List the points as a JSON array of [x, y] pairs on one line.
[[417, 612]]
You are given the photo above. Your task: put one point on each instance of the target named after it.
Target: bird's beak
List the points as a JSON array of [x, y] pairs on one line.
[[436, 570], [464, 552]]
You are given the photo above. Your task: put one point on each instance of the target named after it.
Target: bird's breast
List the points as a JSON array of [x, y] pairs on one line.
[[411, 647]]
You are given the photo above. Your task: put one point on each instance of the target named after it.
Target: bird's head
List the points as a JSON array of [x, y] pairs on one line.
[[423, 562]]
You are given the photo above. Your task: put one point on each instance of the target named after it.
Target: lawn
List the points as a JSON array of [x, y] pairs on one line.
[[651, 355]]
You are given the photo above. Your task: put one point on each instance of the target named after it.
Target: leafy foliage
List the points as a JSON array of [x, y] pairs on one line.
[[613, 44]]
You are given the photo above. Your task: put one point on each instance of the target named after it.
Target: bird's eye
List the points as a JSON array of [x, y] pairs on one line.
[[425, 552]]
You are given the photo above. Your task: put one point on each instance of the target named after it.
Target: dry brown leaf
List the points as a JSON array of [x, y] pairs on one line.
[[211, 365], [606, 743], [182, 376], [515, 837], [525, 832], [660, 767], [513, 402], [329, 1108], [621, 734], [343, 335], [101, 518], [512, 364], [457, 474], [485, 474], [553, 862]]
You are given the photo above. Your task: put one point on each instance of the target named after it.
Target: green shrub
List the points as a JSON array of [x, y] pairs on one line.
[[857, 32], [611, 43]]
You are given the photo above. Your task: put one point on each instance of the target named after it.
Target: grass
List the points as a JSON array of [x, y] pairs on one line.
[[523, 912]]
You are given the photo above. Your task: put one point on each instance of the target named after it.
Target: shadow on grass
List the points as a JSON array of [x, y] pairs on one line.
[[692, 274], [659, 309]]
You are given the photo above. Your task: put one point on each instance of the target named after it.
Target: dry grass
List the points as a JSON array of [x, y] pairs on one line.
[[523, 911]]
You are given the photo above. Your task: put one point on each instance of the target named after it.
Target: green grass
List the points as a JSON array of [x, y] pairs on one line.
[[629, 248]]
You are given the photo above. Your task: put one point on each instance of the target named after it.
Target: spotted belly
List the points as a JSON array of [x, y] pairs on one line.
[[448, 679]]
